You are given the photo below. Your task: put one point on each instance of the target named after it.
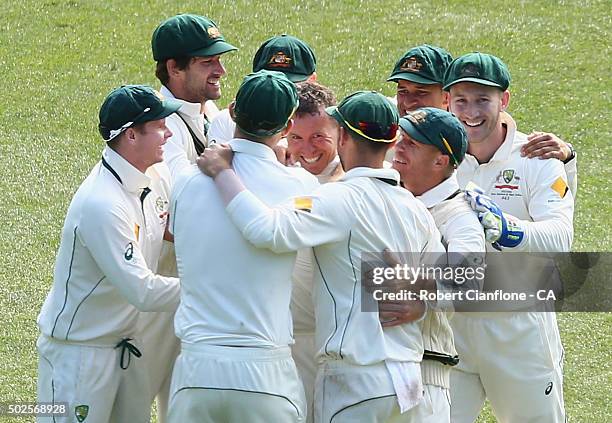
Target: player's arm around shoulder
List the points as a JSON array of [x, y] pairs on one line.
[[546, 145], [110, 232], [551, 208], [301, 222]]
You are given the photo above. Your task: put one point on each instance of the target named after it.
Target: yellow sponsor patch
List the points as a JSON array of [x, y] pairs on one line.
[[136, 230], [560, 187], [303, 203]]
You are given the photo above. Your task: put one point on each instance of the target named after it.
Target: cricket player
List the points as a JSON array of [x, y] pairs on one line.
[[313, 142], [419, 75], [513, 358], [90, 342], [187, 50], [234, 320], [282, 53], [431, 147], [366, 372]]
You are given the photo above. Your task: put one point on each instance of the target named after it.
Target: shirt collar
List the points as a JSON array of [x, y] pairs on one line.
[[240, 145], [192, 110], [369, 172], [504, 150], [440, 192], [131, 178]]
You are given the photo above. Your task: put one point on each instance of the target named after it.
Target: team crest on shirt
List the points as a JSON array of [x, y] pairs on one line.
[[81, 412], [280, 60], [160, 204], [507, 185], [213, 32], [507, 179], [411, 64]]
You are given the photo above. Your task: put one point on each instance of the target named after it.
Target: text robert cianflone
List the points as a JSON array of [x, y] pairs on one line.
[[468, 295]]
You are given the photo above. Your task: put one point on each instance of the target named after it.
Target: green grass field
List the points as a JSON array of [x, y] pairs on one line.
[[60, 59]]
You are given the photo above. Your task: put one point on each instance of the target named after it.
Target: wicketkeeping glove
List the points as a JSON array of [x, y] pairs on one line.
[[501, 229]]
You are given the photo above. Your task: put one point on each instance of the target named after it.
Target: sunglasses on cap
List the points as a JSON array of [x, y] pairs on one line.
[[373, 131], [115, 132]]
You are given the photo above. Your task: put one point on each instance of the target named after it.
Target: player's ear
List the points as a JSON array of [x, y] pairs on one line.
[[441, 161], [445, 100], [231, 108], [505, 100], [172, 68], [287, 129]]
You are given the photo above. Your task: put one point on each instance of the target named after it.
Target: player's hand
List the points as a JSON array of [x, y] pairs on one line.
[[215, 159], [545, 145], [393, 313], [501, 229], [168, 236]]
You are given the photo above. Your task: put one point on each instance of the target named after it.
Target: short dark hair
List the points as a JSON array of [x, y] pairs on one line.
[[161, 69], [312, 97]]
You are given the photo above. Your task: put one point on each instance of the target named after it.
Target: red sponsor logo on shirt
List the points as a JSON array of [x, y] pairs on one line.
[[506, 186]]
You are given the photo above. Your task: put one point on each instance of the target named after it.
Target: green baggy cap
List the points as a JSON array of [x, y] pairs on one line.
[[288, 55], [367, 114], [424, 64], [188, 35], [265, 102], [483, 69], [129, 105], [433, 126]]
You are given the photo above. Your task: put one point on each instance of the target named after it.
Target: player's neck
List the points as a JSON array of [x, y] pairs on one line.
[[483, 151]]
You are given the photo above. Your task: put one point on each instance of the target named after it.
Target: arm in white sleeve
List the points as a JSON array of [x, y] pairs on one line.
[[289, 227], [571, 169], [109, 236], [551, 207]]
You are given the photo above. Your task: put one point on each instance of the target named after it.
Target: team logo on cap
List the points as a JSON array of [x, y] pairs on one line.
[[411, 64], [470, 70], [213, 32], [280, 60], [417, 117]]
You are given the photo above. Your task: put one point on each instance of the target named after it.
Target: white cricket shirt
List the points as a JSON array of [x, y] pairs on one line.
[[233, 293], [366, 211], [535, 191], [110, 241], [179, 151]]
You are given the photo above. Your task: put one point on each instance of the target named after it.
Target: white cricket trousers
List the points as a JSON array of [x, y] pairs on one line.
[[92, 382], [235, 384], [160, 347], [513, 359], [303, 352], [347, 393]]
